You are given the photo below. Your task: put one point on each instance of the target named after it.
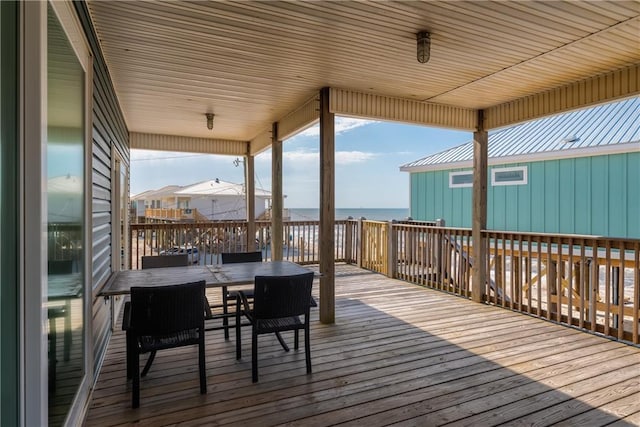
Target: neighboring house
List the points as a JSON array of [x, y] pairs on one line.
[[213, 199], [217, 199], [157, 199], [575, 173]]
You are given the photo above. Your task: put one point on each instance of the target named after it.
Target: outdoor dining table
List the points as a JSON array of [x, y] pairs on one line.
[[215, 276]]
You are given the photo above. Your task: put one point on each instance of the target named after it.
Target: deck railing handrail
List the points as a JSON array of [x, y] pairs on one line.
[[555, 277]]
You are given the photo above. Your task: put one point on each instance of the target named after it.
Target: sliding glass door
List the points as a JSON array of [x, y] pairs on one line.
[[66, 224]]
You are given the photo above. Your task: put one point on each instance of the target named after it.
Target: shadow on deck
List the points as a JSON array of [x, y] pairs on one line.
[[398, 353]]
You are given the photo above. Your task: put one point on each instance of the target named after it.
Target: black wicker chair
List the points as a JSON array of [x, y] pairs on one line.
[[280, 303], [162, 317], [227, 295]]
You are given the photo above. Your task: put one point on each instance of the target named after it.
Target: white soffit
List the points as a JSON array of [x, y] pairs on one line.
[[593, 91], [147, 141], [253, 63]]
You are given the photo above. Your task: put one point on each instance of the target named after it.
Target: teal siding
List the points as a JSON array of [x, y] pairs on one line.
[[511, 206], [582, 195], [566, 185], [633, 194], [523, 213], [597, 195], [616, 192], [536, 183], [551, 198], [495, 207]]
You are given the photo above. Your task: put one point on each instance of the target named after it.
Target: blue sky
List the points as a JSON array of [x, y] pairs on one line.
[[368, 157]]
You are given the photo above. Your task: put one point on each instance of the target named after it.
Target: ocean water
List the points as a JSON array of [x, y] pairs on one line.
[[379, 214]]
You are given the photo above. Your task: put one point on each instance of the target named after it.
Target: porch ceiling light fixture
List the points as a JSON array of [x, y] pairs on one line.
[[210, 120], [424, 46]]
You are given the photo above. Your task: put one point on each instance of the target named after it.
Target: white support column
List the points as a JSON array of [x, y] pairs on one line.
[[250, 194], [327, 210], [276, 195], [479, 220]]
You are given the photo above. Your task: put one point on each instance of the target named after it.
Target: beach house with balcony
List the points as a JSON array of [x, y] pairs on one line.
[[209, 200]]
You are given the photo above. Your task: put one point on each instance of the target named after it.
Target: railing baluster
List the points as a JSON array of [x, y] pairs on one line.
[[621, 249], [565, 270], [636, 293]]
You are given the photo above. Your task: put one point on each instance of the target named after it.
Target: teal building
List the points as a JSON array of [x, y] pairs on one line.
[[575, 173]]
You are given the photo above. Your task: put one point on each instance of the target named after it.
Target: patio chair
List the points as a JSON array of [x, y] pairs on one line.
[[159, 261], [280, 303], [227, 295], [163, 317]]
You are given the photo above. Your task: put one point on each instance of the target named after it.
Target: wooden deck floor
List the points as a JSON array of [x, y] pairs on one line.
[[397, 354]]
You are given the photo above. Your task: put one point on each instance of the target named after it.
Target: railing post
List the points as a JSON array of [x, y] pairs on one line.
[[517, 277], [615, 293], [359, 242], [499, 273], [439, 251], [348, 240], [392, 264], [553, 297]]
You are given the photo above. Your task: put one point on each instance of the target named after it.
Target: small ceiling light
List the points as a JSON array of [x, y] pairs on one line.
[[210, 120], [424, 46]]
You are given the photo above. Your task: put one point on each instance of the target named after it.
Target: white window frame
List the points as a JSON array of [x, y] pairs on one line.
[[467, 184], [118, 184], [33, 275], [524, 181]]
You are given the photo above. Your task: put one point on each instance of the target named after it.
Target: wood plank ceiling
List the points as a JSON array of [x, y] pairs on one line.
[[251, 63]]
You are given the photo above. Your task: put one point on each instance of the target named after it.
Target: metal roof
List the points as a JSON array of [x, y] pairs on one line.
[[254, 63], [603, 129], [219, 188], [160, 192], [209, 187]]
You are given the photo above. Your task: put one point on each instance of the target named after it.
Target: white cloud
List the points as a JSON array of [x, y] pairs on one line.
[[350, 157], [300, 156], [341, 124], [138, 155], [342, 157]]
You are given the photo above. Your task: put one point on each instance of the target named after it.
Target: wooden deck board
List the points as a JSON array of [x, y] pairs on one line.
[[398, 353]]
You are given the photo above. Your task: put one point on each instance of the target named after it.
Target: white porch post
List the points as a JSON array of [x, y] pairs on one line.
[[479, 220], [327, 210], [276, 195], [250, 194]]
